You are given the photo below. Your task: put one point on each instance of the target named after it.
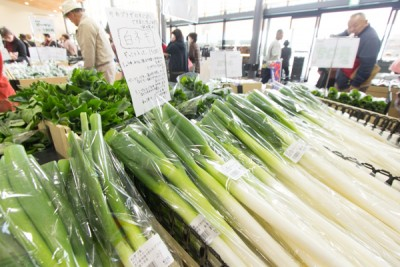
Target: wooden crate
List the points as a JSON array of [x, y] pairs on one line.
[[59, 136]]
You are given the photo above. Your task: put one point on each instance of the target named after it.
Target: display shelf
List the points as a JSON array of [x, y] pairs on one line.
[[383, 123]]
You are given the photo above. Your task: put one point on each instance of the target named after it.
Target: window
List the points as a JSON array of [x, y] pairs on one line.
[[334, 23], [238, 33], [391, 51], [210, 34]]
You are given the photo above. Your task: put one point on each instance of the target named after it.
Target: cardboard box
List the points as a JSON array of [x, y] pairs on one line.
[[244, 86], [59, 136], [52, 80]]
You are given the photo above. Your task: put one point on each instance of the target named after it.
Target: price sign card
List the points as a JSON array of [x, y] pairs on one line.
[[43, 25], [335, 52], [136, 38]]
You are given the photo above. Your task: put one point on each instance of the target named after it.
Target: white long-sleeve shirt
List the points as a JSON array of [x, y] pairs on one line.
[[274, 51]]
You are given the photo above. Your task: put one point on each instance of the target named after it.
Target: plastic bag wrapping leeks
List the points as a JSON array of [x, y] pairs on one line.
[[351, 138], [30, 208], [116, 214], [249, 192], [159, 169], [291, 177]]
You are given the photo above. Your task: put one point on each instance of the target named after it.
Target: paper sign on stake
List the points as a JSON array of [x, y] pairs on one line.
[[140, 55], [225, 64], [43, 25], [47, 53], [335, 52]]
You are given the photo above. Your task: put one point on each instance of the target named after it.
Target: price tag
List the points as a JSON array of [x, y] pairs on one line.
[[296, 150], [153, 253], [232, 169], [206, 231]]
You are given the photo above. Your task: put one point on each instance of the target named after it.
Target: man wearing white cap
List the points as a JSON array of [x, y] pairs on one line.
[[92, 39]]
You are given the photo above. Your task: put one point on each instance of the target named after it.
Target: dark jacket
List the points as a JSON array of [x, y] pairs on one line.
[[285, 55], [367, 54], [17, 46], [178, 61]]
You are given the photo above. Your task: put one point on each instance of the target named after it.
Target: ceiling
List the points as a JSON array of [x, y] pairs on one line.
[[48, 5]]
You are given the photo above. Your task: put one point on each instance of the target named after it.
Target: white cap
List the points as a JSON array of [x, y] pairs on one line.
[[69, 5]]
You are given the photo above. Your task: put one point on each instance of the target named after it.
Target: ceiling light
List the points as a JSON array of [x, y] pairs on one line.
[[26, 3], [55, 11]]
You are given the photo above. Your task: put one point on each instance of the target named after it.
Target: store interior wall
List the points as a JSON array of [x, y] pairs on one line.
[[16, 18]]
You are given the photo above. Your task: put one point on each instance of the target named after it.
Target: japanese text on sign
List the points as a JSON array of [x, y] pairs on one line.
[[42, 25], [140, 54], [152, 253]]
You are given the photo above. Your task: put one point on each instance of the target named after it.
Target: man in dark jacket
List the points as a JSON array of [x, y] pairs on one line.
[[285, 55], [178, 61], [367, 54], [14, 46]]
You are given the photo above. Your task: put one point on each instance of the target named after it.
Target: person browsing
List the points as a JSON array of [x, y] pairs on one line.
[[92, 39], [273, 53], [364, 67]]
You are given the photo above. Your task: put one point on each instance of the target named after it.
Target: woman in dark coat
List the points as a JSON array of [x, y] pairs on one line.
[[178, 61]]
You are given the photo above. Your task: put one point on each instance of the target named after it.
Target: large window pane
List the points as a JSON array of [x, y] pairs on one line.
[[210, 8], [97, 10], [334, 23], [271, 26], [210, 34], [238, 33], [392, 49]]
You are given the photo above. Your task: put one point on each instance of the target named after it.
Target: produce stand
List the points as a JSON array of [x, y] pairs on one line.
[[22, 83]]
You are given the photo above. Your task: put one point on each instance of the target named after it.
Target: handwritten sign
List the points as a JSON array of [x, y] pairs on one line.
[[233, 64], [225, 64], [335, 52], [140, 54], [47, 53], [217, 64], [184, 9], [43, 25]]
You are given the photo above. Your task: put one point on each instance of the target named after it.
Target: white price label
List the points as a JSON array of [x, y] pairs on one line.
[[232, 169], [206, 231], [296, 150], [153, 253]]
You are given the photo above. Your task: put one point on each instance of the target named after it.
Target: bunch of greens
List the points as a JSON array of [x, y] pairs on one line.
[[354, 98], [22, 128], [87, 92]]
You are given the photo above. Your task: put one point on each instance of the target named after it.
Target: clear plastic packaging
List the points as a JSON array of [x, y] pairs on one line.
[[117, 215]]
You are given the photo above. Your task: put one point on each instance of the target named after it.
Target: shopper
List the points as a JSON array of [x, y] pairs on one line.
[[178, 61], [14, 46], [271, 55], [92, 39], [29, 39], [194, 52], [66, 43], [48, 41], [22, 37], [286, 53], [364, 68], [5, 90]]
